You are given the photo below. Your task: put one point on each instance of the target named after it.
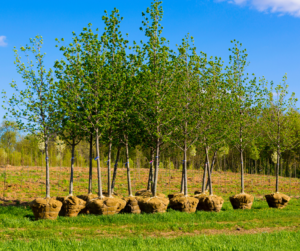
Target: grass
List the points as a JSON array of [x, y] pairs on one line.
[[260, 228]]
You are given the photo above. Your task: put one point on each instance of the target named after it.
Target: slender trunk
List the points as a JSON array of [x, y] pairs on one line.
[[208, 172], [156, 168], [242, 171], [185, 170], [211, 168], [204, 174], [98, 166], [277, 170], [115, 170], [182, 176], [128, 168], [72, 169], [91, 164], [150, 179], [108, 169], [47, 170]]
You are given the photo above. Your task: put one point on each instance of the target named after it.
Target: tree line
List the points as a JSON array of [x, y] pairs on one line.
[[112, 102]]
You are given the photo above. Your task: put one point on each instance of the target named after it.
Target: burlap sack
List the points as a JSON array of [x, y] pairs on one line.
[[277, 200], [47, 208], [184, 203], [241, 201], [86, 198], [132, 205], [71, 207], [147, 193], [209, 203], [106, 206], [153, 204]]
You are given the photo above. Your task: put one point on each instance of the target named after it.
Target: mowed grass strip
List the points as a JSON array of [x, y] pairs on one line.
[[284, 240], [16, 223]]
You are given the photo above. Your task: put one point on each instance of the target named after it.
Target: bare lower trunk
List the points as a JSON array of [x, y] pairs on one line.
[[150, 179], [211, 168], [156, 168], [242, 172], [208, 172], [185, 170], [277, 172], [72, 169], [128, 169], [47, 170], [115, 170], [108, 170], [91, 164], [204, 174], [182, 177], [98, 166]]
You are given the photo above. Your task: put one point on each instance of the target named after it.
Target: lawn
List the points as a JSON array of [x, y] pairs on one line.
[[260, 228]]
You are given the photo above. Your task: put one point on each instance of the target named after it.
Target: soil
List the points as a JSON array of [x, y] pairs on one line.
[[153, 204], [106, 205]]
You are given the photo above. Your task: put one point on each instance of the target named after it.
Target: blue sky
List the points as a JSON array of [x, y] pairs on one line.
[[269, 29]]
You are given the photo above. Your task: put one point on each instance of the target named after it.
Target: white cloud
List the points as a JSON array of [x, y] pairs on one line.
[[291, 7], [2, 41]]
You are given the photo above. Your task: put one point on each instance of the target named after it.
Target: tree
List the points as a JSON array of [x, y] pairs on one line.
[[247, 106], [33, 108], [279, 118], [157, 78]]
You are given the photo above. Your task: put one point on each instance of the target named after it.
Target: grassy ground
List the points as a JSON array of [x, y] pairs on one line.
[[260, 228], [27, 183]]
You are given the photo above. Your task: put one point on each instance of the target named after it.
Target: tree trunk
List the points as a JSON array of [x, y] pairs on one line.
[[182, 176], [204, 174], [150, 179], [98, 166], [208, 170], [72, 169], [91, 164], [242, 171], [115, 169], [47, 170], [185, 169], [156, 168], [211, 169], [277, 171], [108, 169], [128, 168]]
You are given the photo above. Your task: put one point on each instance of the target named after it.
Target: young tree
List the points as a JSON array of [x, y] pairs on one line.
[[33, 108], [247, 106], [157, 78], [279, 122]]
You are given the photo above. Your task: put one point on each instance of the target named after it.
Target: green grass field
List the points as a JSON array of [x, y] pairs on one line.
[[260, 228]]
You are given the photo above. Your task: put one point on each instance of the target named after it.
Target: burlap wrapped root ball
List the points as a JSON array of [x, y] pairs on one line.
[[153, 204], [277, 200], [173, 195], [86, 198], [45, 208], [184, 203], [209, 203], [106, 205], [241, 201], [200, 192], [132, 205], [72, 205], [147, 193]]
